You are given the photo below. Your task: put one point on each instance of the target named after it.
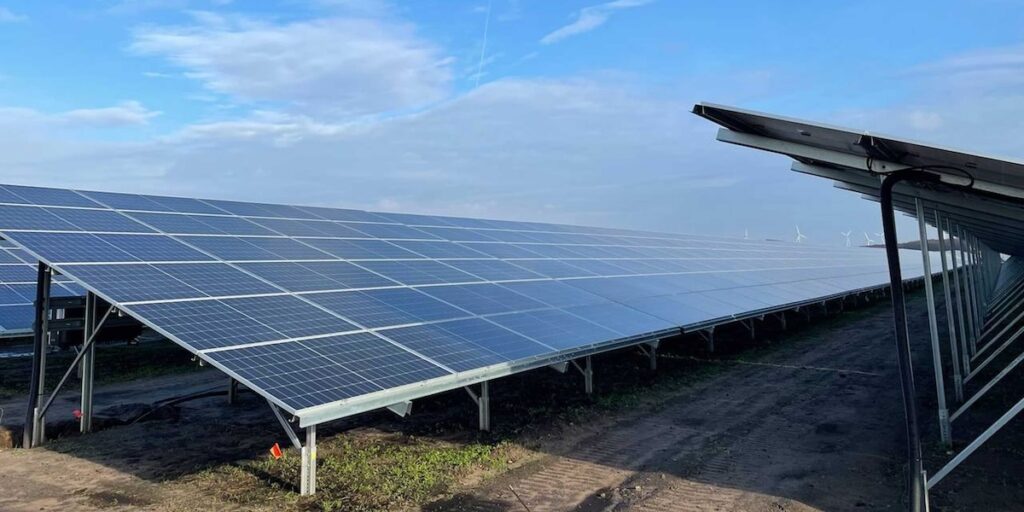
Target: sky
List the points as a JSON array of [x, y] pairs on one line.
[[559, 111]]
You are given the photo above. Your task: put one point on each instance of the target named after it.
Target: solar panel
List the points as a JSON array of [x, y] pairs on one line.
[[18, 274], [320, 308]]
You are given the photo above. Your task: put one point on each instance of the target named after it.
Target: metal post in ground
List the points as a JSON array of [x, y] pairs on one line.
[[88, 364], [30, 433], [933, 326], [915, 470], [968, 298], [232, 390], [307, 472], [954, 350], [965, 354]]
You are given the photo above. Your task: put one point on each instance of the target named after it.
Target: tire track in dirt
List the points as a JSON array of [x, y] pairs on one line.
[[758, 437]]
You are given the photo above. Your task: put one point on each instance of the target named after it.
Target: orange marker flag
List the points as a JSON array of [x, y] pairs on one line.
[[275, 451]]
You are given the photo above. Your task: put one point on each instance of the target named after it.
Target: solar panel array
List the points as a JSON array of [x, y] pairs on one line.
[[18, 290], [313, 306]]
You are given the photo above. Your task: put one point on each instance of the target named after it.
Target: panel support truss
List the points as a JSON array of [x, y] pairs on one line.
[[307, 453], [651, 351], [587, 370], [709, 337], [88, 345], [933, 328], [35, 430], [483, 404]]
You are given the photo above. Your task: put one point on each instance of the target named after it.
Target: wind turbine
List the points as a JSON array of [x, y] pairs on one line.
[[800, 237], [846, 234], [746, 234], [868, 238]]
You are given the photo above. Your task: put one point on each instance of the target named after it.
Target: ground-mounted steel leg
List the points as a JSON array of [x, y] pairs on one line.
[[954, 350], [307, 475], [933, 327], [483, 404], [88, 365]]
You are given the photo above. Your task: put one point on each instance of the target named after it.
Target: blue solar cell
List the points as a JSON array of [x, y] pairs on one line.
[[667, 308], [291, 316], [291, 227], [501, 250], [376, 359], [216, 279], [13, 256], [17, 273], [294, 373], [362, 309], [444, 347], [412, 219], [230, 248], [556, 328], [72, 247], [99, 220], [347, 275], [342, 214], [507, 344], [17, 318], [67, 290], [8, 296], [337, 229], [175, 224], [7, 196], [289, 249], [457, 234], [512, 236], [125, 201], [557, 251], [621, 319], [132, 282], [292, 276], [392, 231], [185, 204], [419, 272], [553, 268], [32, 217], [554, 293], [438, 250], [483, 299], [260, 209], [27, 292], [360, 249], [600, 267], [493, 270], [154, 248], [418, 305], [50, 196], [233, 225], [206, 324]]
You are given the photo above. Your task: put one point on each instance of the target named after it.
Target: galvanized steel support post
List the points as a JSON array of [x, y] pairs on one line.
[[88, 364], [483, 405], [954, 350], [307, 474], [933, 326], [32, 432], [961, 321], [232, 390]]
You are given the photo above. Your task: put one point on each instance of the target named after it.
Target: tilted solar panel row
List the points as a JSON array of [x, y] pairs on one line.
[[328, 309], [18, 290]]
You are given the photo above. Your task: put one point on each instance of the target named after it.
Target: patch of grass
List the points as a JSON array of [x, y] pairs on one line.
[[360, 474]]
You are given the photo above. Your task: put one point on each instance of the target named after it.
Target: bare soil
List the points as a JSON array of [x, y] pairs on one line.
[[806, 419]]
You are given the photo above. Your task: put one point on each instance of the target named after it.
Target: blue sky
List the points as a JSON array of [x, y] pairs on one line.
[[579, 112]]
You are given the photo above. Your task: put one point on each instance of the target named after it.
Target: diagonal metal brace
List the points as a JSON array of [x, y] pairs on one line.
[[74, 364], [287, 426]]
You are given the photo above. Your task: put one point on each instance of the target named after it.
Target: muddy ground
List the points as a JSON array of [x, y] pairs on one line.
[[806, 419]]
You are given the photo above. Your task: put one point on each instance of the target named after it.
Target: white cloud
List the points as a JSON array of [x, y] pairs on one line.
[[590, 18], [6, 16], [126, 113], [339, 66]]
